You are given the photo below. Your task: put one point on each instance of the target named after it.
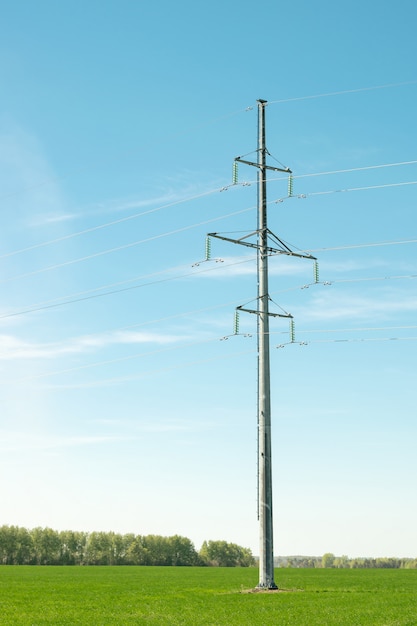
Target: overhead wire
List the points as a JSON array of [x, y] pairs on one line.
[[355, 169], [146, 354], [190, 227], [368, 187], [349, 170], [344, 92], [356, 340], [365, 245], [51, 304], [108, 224], [90, 295], [126, 246], [227, 116], [195, 197], [213, 191], [361, 329], [182, 346]]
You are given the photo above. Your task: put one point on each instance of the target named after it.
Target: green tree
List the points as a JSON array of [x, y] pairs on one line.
[[99, 549], [328, 559], [341, 562], [25, 549], [128, 542], [8, 544], [182, 551], [46, 546], [223, 554], [137, 552], [72, 547], [158, 550]]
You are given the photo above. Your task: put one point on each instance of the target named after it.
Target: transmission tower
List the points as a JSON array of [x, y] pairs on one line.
[[266, 244]]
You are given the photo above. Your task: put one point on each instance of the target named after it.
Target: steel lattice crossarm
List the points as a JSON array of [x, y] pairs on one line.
[[257, 312], [281, 248], [286, 170]]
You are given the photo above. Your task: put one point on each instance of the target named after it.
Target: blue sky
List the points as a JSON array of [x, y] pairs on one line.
[[121, 408]]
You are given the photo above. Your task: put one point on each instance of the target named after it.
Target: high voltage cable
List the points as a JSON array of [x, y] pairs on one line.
[[336, 281], [52, 304], [349, 170], [181, 346], [190, 227], [332, 191], [159, 370], [81, 296], [358, 340], [321, 193], [127, 358], [45, 306], [343, 92], [349, 330], [366, 245], [245, 109], [188, 364], [125, 246], [331, 282], [108, 224], [354, 169], [369, 279], [195, 197], [203, 310]]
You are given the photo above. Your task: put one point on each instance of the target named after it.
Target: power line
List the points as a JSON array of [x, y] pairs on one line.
[[195, 197], [349, 170], [108, 224], [52, 304], [337, 191], [360, 329], [344, 92], [125, 246], [369, 279], [226, 116], [357, 340], [354, 169], [182, 346], [44, 306], [366, 245], [190, 227], [321, 193], [130, 357]]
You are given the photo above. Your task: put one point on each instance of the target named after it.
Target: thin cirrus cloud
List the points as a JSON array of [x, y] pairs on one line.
[[13, 348], [19, 441], [27, 181], [109, 208], [377, 306]]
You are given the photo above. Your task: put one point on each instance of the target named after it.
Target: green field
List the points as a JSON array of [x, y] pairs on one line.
[[32, 595]]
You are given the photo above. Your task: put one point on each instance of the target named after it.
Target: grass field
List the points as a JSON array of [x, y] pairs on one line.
[[96, 596]]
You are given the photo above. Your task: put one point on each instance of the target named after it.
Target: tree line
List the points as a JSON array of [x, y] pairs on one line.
[[329, 560], [45, 546]]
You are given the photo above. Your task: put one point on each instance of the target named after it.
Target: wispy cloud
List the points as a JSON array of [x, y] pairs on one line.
[[146, 202], [169, 425], [12, 347], [29, 185], [116, 205], [22, 442], [381, 305]]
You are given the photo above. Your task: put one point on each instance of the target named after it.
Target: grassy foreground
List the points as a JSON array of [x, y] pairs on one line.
[[100, 596]]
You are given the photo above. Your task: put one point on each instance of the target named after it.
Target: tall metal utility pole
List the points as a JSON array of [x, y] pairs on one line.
[[266, 546], [264, 250]]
